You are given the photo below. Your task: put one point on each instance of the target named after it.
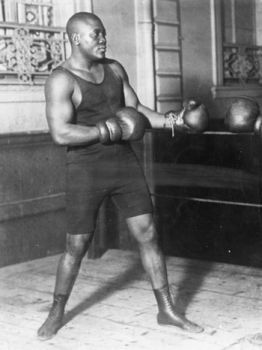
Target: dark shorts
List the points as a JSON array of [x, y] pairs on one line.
[[116, 174]]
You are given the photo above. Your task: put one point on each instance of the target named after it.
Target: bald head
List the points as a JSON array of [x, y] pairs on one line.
[[78, 19]]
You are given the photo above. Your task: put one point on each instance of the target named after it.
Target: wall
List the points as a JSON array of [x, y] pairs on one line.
[[32, 203], [199, 58], [22, 109], [119, 20], [258, 21], [23, 106], [196, 50]]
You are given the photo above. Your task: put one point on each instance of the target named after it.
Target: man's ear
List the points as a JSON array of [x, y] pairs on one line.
[[75, 38]]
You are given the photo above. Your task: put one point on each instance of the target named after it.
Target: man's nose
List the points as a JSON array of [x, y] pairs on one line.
[[101, 38]]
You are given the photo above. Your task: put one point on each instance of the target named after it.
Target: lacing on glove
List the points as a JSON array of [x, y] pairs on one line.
[[173, 119]]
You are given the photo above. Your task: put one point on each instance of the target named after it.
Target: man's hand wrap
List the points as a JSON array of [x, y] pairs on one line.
[[192, 118], [109, 131]]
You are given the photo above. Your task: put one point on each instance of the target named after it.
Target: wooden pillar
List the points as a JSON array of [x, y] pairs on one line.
[[146, 77], [145, 49], [84, 5]]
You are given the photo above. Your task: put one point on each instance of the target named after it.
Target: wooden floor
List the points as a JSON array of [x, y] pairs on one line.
[[112, 306]]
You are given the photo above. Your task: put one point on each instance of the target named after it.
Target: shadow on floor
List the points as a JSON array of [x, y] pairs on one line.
[[133, 272], [188, 287], [190, 284]]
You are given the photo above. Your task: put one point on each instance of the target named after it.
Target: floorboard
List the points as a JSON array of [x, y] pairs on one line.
[[112, 305]]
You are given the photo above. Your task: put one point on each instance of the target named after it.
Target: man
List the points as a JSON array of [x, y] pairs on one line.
[[92, 109]]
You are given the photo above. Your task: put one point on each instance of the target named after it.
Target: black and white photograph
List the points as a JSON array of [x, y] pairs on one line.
[[131, 174]]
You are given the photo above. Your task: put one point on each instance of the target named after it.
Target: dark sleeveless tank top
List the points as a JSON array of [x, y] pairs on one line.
[[99, 102]]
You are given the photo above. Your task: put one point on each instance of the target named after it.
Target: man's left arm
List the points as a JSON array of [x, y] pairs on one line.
[[156, 120], [191, 118]]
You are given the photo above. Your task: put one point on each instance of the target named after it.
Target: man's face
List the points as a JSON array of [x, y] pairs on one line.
[[93, 39]]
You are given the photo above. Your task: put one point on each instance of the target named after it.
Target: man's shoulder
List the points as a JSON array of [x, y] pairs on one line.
[[59, 75], [115, 66], [111, 62], [60, 79]]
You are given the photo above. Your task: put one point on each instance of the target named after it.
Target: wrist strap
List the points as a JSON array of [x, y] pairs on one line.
[[173, 119]]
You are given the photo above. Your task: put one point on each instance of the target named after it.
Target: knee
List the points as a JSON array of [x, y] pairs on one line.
[[146, 233], [77, 245]]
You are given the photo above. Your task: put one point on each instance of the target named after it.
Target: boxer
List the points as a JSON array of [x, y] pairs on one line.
[[92, 109]]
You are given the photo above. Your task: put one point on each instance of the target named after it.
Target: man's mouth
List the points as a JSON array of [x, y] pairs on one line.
[[102, 48]]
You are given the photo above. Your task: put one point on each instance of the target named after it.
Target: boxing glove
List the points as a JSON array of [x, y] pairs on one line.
[[241, 115], [192, 118], [132, 123], [109, 131]]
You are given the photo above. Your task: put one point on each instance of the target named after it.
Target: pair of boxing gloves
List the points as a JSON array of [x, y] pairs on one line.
[[130, 125], [242, 116]]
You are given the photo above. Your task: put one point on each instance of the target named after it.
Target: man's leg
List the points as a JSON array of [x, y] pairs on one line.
[[67, 271], [143, 230]]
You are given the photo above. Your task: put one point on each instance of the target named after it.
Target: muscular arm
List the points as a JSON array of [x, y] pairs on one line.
[[156, 120], [59, 90]]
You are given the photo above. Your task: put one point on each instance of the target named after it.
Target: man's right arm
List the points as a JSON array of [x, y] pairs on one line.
[[59, 90]]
